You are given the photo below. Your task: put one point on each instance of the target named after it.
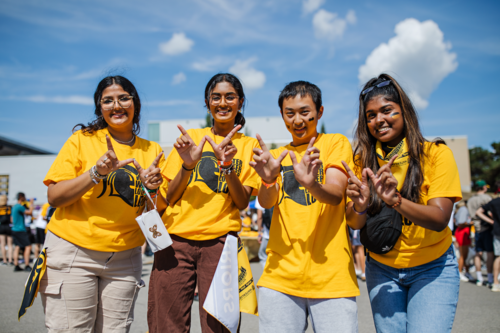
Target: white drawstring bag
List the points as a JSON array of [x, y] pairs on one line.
[[153, 228]]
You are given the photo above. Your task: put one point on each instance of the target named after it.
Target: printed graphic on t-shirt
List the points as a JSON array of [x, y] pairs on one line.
[[207, 171], [125, 184], [293, 190]]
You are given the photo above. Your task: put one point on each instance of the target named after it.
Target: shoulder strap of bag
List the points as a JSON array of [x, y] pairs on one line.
[[149, 197]]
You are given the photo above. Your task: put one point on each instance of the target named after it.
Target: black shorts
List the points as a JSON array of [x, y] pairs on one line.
[[21, 238], [484, 241], [40, 236], [5, 230]]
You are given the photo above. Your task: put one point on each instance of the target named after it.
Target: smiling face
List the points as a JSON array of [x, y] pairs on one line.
[[301, 118], [385, 120], [224, 103], [118, 117]]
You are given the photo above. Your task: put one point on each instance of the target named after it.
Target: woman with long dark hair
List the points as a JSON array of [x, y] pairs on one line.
[[93, 242], [208, 185], [413, 287]]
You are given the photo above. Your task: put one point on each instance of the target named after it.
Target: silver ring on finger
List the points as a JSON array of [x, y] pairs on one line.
[[348, 180], [105, 159]]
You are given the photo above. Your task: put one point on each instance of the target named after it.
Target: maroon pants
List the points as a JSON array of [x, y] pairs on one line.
[[172, 284]]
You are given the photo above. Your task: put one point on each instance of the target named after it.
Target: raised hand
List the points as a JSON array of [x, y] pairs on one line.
[[358, 190], [225, 150], [109, 162], [264, 163], [150, 177], [384, 182], [187, 149], [306, 171]]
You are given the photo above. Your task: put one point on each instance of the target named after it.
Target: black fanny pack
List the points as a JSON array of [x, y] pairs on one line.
[[382, 230]]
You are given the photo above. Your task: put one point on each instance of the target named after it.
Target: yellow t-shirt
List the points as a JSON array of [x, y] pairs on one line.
[[309, 254], [103, 219], [206, 211], [43, 211], [416, 245]]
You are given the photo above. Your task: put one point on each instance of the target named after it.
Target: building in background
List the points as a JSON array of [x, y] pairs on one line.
[[26, 171]]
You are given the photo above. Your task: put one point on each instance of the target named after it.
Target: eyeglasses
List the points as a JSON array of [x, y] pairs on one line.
[[216, 99], [380, 85], [124, 102]]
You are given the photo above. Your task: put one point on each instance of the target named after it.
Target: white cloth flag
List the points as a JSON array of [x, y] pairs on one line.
[[223, 300]]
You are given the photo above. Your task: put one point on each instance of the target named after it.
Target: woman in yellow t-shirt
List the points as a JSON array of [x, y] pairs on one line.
[[208, 185], [413, 286], [93, 242]]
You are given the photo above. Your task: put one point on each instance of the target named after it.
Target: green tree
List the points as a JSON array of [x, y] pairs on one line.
[[323, 129], [485, 164]]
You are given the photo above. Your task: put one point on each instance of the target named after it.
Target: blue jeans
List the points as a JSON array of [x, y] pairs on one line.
[[414, 300]]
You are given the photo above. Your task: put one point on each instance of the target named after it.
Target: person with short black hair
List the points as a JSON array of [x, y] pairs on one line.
[[309, 270], [482, 233], [413, 283], [19, 234], [490, 213]]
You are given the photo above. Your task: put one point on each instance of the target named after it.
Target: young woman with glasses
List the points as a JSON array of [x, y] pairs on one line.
[[93, 242], [209, 182], [413, 287]]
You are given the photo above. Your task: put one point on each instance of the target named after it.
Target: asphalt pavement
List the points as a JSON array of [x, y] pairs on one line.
[[478, 308]]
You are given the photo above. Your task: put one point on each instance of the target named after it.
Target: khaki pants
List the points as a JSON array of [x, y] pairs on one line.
[[89, 291]]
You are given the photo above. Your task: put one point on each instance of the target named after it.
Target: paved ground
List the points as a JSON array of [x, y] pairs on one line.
[[478, 308]]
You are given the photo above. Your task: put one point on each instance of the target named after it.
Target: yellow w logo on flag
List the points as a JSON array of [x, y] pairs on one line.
[[33, 283]]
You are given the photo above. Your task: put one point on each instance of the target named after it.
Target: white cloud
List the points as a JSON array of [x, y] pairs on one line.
[[178, 78], [309, 6], [178, 44], [74, 99], [250, 77], [351, 17], [418, 55], [208, 65], [329, 26]]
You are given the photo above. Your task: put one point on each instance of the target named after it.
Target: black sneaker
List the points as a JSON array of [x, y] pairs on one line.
[[18, 269], [27, 268]]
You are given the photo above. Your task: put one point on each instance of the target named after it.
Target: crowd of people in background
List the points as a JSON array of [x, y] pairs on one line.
[[476, 229]]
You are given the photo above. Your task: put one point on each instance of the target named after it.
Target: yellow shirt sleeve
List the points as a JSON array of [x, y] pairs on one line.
[[444, 177], [67, 164]]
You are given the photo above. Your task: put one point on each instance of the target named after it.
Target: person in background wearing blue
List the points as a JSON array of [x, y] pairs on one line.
[[19, 234]]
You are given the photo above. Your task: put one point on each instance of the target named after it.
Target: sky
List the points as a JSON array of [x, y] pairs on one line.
[[445, 54]]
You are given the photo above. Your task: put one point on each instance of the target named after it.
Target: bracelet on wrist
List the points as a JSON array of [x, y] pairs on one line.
[[96, 181], [360, 213], [184, 167], [398, 202], [268, 185], [97, 174], [222, 164], [152, 191], [226, 170]]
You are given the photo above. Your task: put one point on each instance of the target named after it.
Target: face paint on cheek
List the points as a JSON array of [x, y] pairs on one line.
[[368, 121], [395, 115], [311, 119], [287, 126]]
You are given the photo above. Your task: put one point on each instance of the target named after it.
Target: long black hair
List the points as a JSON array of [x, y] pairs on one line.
[[365, 153], [235, 82], [99, 123]]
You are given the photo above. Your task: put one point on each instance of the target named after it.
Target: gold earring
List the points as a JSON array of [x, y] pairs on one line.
[[208, 111]]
